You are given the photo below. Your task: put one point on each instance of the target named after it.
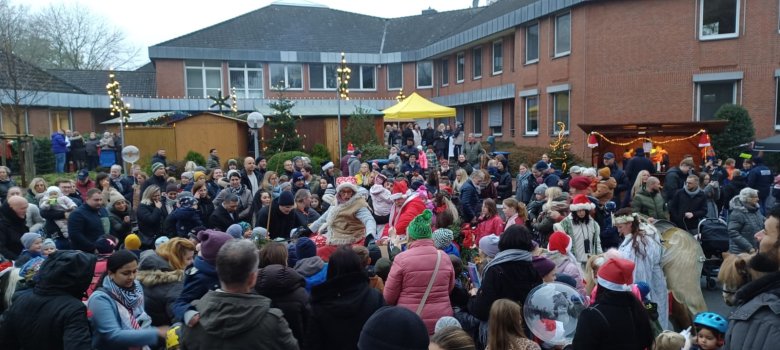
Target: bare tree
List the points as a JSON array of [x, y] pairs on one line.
[[81, 39]]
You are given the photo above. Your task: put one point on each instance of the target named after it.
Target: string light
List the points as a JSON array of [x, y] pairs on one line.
[[400, 96], [647, 139], [234, 101], [560, 144], [117, 104], [342, 77]]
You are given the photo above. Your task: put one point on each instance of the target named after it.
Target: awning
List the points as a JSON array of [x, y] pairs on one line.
[[769, 144], [417, 107]]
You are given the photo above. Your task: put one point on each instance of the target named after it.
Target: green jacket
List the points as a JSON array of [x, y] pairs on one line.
[[650, 204], [472, 151]]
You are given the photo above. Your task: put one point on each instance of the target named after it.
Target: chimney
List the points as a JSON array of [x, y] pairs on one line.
[[429, 11], [475, 3]]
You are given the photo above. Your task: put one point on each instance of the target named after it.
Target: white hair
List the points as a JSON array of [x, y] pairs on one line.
[[590, 172], [117, 167], [746, 193]]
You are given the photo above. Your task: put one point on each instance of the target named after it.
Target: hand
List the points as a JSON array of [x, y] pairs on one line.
[[688, 215], [473, 291], [651, 220], [194, 321], [162, 331], [555, 215], [126, 219], [752, 251], [158, 204]]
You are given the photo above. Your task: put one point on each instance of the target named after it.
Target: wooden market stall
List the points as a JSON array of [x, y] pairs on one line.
[[675, 140]]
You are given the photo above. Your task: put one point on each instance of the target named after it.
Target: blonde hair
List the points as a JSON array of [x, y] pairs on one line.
[[638, 183], [669, 340], [174, 250], [519, 207], [505, 324], [266, 181]]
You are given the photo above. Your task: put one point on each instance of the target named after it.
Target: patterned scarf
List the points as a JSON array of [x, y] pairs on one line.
[[131, 299], [237, 191]]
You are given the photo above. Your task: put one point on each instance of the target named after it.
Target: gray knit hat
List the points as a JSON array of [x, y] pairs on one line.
[[29, 238], [442, 238]]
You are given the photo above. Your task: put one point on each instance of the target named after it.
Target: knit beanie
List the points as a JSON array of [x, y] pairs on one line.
[[156, 166], [286, 198], [132, 242], [188, 174], [186, 201], [305, 248], [579, 183], [105, 246], [197, 175], [210, 242], [48, 243], [446, 321], [160, 241], [540, 189], [489, 245], [244, 226], [420, 227], [605, 172], [375, 336], [171, 187], [543, 265], [28, 239], [442, 238], [235, 231]]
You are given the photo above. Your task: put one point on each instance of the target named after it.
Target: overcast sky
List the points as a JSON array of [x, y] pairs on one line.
[[148, 22]]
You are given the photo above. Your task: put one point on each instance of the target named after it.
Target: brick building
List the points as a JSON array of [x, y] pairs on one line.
[[510, 69]]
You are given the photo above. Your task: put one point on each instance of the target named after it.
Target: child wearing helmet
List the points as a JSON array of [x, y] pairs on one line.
[[710, 330]]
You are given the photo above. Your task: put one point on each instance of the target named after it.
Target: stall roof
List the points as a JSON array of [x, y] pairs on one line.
[[657, 129]]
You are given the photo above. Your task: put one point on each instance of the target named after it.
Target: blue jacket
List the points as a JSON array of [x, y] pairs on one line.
[[200, 278], [469, 201], [452, 249], [108, 332], [760, 178], [183, 220], [58, 143], [84, 228]]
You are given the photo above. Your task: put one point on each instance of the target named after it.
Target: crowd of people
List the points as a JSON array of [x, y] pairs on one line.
[[363, 255]]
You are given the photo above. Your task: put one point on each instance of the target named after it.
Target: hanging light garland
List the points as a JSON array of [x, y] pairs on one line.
[[592, 142], [400, 97], [342, 76]]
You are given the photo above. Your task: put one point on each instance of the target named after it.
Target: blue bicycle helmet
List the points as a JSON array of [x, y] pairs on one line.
[[712, 320]]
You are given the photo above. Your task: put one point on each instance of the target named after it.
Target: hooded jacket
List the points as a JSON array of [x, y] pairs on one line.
[[285, 288], [755, 322], [744, 222], [237, 321], [162, 285], [313, 269], [340, 308], [12, 227], [51, 315], [199, 278]]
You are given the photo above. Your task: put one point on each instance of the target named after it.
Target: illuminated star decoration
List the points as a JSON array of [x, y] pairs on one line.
[[117, 103], [219, 101], [400, 96]]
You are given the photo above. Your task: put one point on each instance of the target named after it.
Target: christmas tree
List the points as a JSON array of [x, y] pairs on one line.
[[285, 136], [560, 148]]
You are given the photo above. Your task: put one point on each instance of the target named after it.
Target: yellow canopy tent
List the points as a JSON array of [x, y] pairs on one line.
[[417, 107]]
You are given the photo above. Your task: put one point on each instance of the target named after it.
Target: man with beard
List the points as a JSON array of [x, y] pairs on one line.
[[649, 201], [755, 323], [688, 206]]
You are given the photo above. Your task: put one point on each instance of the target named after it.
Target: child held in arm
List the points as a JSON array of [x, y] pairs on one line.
[[54, 199]]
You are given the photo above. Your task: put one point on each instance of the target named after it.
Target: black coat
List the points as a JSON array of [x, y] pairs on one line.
[[245, 179], [731, 190], [51, 215], [85, 226], [286, 289], [281, 224], [610, 324], [162, 285], [119, 228], [504, 188], [637, 164], [674, 181], [51, 315], [340, 308], [682, 203], [150, 220], [205, 208], [220, 219], [512, 280], [12, 227]]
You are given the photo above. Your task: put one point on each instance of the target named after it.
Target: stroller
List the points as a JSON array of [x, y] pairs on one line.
[[714, 238]]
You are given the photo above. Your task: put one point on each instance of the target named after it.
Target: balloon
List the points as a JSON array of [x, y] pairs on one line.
[[130, 154], [551, 312]]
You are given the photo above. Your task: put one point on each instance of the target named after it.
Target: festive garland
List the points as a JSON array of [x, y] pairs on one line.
[[638, 139]]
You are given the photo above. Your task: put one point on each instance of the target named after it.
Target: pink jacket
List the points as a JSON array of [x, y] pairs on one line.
[[409, 278], [493, 225]]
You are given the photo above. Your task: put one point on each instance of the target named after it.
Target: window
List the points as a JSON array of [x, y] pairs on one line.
[[247, 78], [476, 65], [322, 76], [204, 78], [424, 74], [445, 72], [777, 102], [713, 95], [395, 76], [58, 119], [287, 76], [477, 120], [460, 66], [498, 57], [532, 115], [362, 77], [563, 35], [718, 19], [496, 118], [532, 44], [560, 110]]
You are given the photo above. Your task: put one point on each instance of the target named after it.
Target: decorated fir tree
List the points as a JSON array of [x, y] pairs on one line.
[[282, 125], [560, 150]]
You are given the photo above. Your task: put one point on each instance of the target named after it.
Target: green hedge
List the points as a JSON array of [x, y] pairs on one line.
[[195, 157], [276, 162]]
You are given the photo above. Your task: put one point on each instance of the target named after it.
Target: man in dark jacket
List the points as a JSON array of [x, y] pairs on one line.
[[283, 220], [504, 187], [159, 157], [250, 175], [675, 178], [755, 323], [85, 225], [123, 184], [689, 205], [225, 214], [235, 315], [427, 135], [51, 315], [213, 161], [469, 197], [759, 177], [158, 177], [636, 164], [12, 226], [618, 175]]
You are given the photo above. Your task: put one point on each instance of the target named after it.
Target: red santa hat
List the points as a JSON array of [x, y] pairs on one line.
[[559, 241], [581, 202], [579, 183], [399, 190], [350, 148], [617, 274]]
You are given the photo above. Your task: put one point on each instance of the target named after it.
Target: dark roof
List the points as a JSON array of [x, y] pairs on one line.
[[290, 28], [148, 67], [29, 77], [414, 32], [488, 13], [133, 83]]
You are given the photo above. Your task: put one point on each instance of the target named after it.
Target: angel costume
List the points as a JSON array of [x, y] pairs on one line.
[[648, 268]]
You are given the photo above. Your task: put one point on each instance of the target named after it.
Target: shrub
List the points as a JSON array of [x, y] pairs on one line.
[[276, 162], [739, 131], [195, 157], [374, 151], [44, 158], [360, 130], [320, 151]]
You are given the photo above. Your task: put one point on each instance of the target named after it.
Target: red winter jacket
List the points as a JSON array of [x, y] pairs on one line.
[[409, 277], [412, 207], [493, 225]]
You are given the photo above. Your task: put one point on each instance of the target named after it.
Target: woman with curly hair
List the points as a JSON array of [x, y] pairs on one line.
[[162, 278]]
